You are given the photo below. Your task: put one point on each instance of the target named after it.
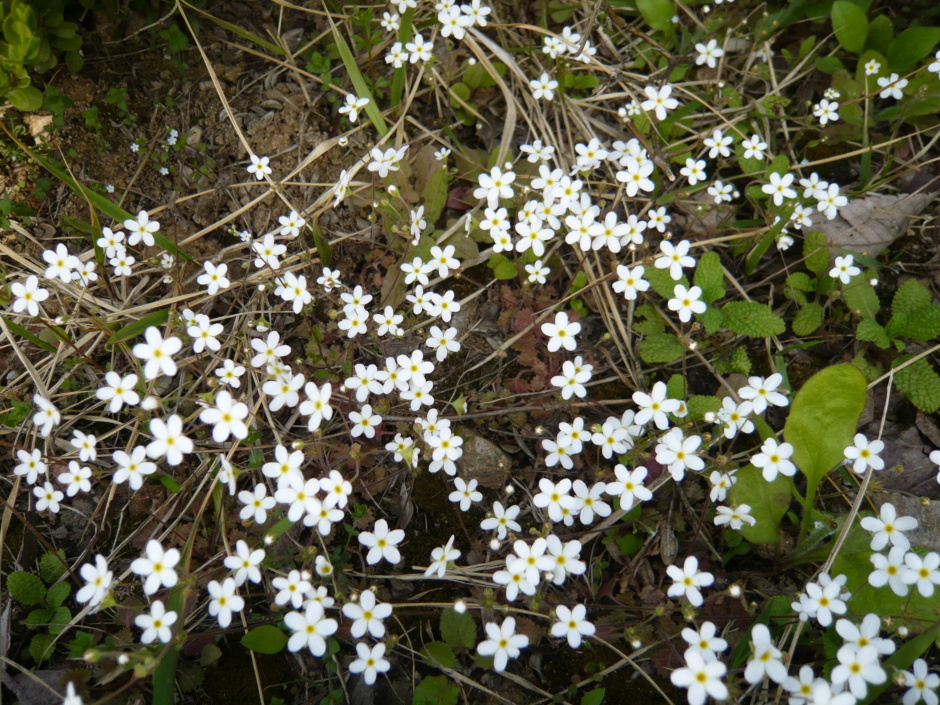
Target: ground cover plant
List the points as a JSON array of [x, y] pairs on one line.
[[483, 353]]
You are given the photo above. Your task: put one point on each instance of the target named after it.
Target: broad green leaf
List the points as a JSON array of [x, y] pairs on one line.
[[60, 618], [660, 348], [710, 277], [850, 25], [711, 320], [755, 320], [768, 502], [909, 297], [57, 593], [25, 588], [808, 319], [132, 330], [458, 629], [823, 418], [437, 653], [816, 252], [922, 324], [436, 690], [699, 405], [662, 283], [871, 331], [880, 33], [26, 335], [910, 46], [503, 268], [27, 98], [41, 647], [921, 384], [862, 299], [657, 13], [594, 697], [266, 639], [52, 566]]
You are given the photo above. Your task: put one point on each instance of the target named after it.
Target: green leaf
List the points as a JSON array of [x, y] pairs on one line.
[[662, 283], [358, 80], [823, 418], [880, 33], [768, 501], [458, 629], [52, 566], [38, 618], [829, 64], [437, 653], [27, 99], [657, 13], [816, 252], [700, 405], [660, 348], [436, 690], [60, 618], [922, 324], [26, 335], [711, 320], [80, 644], [56, 594], [903, 658], [132, 330], [710, 277], [266, 639], [862, 299], [41, 647], [808, 319], [26, 588], [919, 383], [594, 697], [675, 387], [909, 297], [850, 25], [753, 259], [435, 194], [871, 331], [752, 319], [503, 268], [910, 46], [780, 165]]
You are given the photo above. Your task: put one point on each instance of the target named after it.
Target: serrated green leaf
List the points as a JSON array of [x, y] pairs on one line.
[[437, 653], [768, 502], [711, 320], [52, 566], [779, 165], [700, 405], [435, 194], [60, 619], [710, 277], [795, 285], [662, 283], [503, 268], [266, 639], [910, 296], [807, 319], [660, 348], [675, 387], [38, 618], [872, 332], [25, 588], [850, 25], [922, 324], [755, 320], [458, 629], [41, 647], [862, 299], [80, 644], [870, 371], [56, 594], [816, 252], [921, 384]]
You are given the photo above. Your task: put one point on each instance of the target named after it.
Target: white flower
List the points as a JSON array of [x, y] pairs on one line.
[[367, 615], [31, 465], [291, 224], [922, 572], [98, 581], [257, 504], [566, 557], [865, 454], [823, 600], [702, 677], [537, 272], [61, 264], [132, 468], [779, 188], [721, 192], [111, 242], [494, 186], [554, 497], [872, 67], [704, 641], [767, 658], [311, 628], [858, 668], [502, 521], [754, 148], [168, 440], [686, 302], [588, 501], [516, 579], [259, 167], [293, 290], [76, 479], [157, 353], [774, 458], [892, 86], [382, 543], [317, 405], [658, 100], [156, 624], [224, 601], [48, 416], [245, 563], [826, 111], [28, 295], [354, 104], [674, 258], [502, 643], [122, 264], [370, 662], [465, 493], [761, 392], [889, 570], [85, 444], [419, 50], [269, 351], [543, 87], [921, 683], [47, 497], [268, 253], [933, 68], [573, 377], [141, 229], [156, 567], [443, 341], [857, 637], [830, 201], [734, 517], [440, 557], [694, 170], [708, 53], [718, 144], [562, 333], [214, 278], [844, 270], [889, 527], [572, 624], [654, 406], [629, 486], [687, 581], [205, 334], [229, 373]]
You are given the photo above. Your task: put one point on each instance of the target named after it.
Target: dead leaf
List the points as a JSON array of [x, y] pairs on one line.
[[870, 224]]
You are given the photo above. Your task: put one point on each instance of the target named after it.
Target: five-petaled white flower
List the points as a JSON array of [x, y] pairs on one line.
[[259, 167], [702, 676], [686, 302], [658, 101], [844, 269], [157, 568], [156, 624], [562, 333], [28, 295], [382, 543], [572, 624], [779, 188], [687, 580], [157, 353], [767, 658], [708, 53], [865, 454], [311, 628], [502, 643], [892, 86]]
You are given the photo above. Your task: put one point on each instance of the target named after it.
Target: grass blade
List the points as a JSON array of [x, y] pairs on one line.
[[358, 80]]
